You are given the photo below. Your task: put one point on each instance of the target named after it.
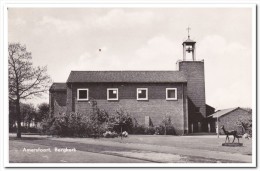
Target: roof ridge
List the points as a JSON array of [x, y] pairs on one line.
[[127, 76], [228, 111]]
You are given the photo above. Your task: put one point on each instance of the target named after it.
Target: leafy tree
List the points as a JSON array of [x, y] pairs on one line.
[[121, 121], [42, 112], [25, 80], [245, 121], [97, 116], [167, 124], [28, 114], [12, 114]]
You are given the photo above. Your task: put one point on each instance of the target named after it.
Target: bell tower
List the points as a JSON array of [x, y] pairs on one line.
[[194, 72], [189, 46]]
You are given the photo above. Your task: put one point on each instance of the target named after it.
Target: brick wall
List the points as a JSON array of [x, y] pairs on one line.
[[209, 110], [69, 100], [229, 120], [51, 103], [155, 107], [58, 109], [57, 102], [126, 90], [194, 71]]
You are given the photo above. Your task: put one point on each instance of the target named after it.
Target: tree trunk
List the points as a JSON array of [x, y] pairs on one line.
[[18, 118], [121, 132], [165, 129], [243, 127], [28, 125]]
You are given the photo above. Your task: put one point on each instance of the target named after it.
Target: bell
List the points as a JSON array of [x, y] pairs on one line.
[[189, 50]]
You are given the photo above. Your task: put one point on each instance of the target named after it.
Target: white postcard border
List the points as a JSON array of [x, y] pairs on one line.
[[114, 4]]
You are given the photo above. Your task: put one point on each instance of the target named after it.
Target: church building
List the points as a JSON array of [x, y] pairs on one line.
[[147, 95]]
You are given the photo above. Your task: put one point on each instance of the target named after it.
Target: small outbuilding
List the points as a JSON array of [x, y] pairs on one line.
[[229, 118]]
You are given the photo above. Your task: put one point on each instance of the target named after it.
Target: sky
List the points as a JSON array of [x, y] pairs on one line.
[[141, 39]]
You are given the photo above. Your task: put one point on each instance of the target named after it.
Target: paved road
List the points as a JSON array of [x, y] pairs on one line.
[[177, 154], [17, 155], [98, 151]]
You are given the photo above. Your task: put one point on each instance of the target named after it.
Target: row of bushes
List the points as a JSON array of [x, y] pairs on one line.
[[98, 121], [73, 125], [56, 126], [156, 130], [88, 125], [77, 125]]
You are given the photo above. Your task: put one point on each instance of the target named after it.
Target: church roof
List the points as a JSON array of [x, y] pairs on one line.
[[126, 76], [58, 86]]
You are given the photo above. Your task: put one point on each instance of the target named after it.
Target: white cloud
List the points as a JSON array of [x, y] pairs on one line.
[[158, 53], [52, 23], [228, 72], [19, 22], [119, 18], [98, 60]]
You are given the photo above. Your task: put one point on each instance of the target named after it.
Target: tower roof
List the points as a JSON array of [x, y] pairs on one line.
[[189, 41]]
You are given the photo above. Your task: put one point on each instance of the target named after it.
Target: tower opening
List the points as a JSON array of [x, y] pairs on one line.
[[189, 48]]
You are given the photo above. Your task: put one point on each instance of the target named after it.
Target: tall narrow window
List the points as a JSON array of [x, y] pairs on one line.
[[142, 94], [82, 94], [112, 94], [171, 93]]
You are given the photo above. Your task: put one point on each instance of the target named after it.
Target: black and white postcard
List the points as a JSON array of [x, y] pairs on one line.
[[129, 85]]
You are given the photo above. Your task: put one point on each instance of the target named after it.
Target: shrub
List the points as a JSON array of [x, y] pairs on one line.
[[245, 122], [33, 130], [142, 130], [138, 129], [166, 126], [98, 118], [149, 131], [120, 121], [160, 130], [60, 126], [170, 130], [72, 124], [12, 129], [46, 125], [25, 129], [78, 125]]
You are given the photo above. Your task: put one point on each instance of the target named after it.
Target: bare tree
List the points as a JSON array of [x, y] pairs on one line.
[[25, 80]]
